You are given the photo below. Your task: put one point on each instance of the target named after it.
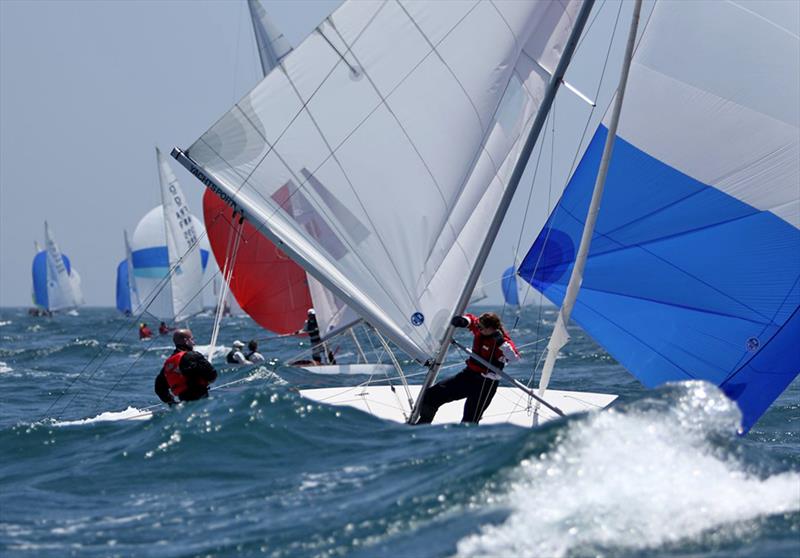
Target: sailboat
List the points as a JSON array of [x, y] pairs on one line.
[[694, 267], [403, 139], [168, 255], [127, 297], [56, 283]]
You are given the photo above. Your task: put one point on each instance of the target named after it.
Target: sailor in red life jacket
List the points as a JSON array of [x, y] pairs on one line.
[[186, 374], [475, 383]]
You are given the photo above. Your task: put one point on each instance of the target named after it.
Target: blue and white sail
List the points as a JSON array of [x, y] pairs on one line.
[[168, 262], [56, 284], [694, 267], [127, 292]]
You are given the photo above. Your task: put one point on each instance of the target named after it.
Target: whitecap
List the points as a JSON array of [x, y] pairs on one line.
[[5, 368], [636, 480], [131, 413]]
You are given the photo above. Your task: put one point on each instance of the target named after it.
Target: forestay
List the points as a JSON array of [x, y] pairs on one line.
[[694, 270], [378, 153]]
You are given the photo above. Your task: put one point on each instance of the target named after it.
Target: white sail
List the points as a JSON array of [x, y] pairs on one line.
[[331, 312], [182, 245], [62, 292], [151, 262], [272, 45], [136, 302], [380, 149]]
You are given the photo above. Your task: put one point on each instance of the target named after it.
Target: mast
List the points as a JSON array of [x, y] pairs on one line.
[[519, 169], [560, 337]]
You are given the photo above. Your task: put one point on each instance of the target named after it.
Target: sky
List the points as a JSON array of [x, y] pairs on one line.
[[88, 89]]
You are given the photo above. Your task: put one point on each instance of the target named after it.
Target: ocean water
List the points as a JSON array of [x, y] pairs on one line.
[[92, 465]]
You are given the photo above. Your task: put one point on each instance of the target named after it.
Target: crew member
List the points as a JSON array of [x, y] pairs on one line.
[[236, 356], [311, 329], [475, 382], [186, 374], [253, 355], [163, 328], [144, 331]]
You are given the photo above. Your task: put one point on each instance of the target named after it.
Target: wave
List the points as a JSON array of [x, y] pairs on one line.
[[5, 368], [638, 476], [131, 413]]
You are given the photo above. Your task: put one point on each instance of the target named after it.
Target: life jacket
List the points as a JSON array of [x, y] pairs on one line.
[[488, 348], [177, 381], [229, 359], [175, 378]]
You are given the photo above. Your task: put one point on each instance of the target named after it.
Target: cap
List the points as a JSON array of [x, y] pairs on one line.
[[311, 311], [238, 344]]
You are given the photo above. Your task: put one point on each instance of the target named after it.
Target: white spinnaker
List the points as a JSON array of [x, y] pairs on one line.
[[182, 246], [391, 132], [136, 302], [60, 291], [749, 105]]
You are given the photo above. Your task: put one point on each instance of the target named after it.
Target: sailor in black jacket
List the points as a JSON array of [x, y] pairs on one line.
[[186, 374]]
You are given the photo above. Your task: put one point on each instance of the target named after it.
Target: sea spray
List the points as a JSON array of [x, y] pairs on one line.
[[635, 477]]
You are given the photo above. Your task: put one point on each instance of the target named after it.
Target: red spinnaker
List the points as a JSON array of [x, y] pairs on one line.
[[269, 286]]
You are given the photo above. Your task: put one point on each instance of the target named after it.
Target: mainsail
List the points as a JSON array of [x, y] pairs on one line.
[[694, 271], [378, 153]]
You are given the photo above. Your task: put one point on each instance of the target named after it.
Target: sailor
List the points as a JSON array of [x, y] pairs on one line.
[[144, 331], [253, 355], [311, 328], [186, 374], [236, 356], [163, 328], [475, 382]]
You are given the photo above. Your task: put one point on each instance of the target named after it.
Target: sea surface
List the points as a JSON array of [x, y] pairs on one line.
[[88, 470]]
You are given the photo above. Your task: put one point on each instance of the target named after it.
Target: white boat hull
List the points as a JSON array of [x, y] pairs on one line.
[[376, 369], [510, 405]]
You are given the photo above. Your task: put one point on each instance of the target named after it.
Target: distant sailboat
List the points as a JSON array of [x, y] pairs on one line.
[[168, 275], [382, 155], [128, 300], [56, 284]]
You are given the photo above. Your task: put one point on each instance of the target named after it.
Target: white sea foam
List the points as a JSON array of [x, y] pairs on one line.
[[635, 480], [5, 323], [5, 368], [131, 413]]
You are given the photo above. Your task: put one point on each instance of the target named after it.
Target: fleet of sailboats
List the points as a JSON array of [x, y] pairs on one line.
[[368, 173], [389, 85]]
